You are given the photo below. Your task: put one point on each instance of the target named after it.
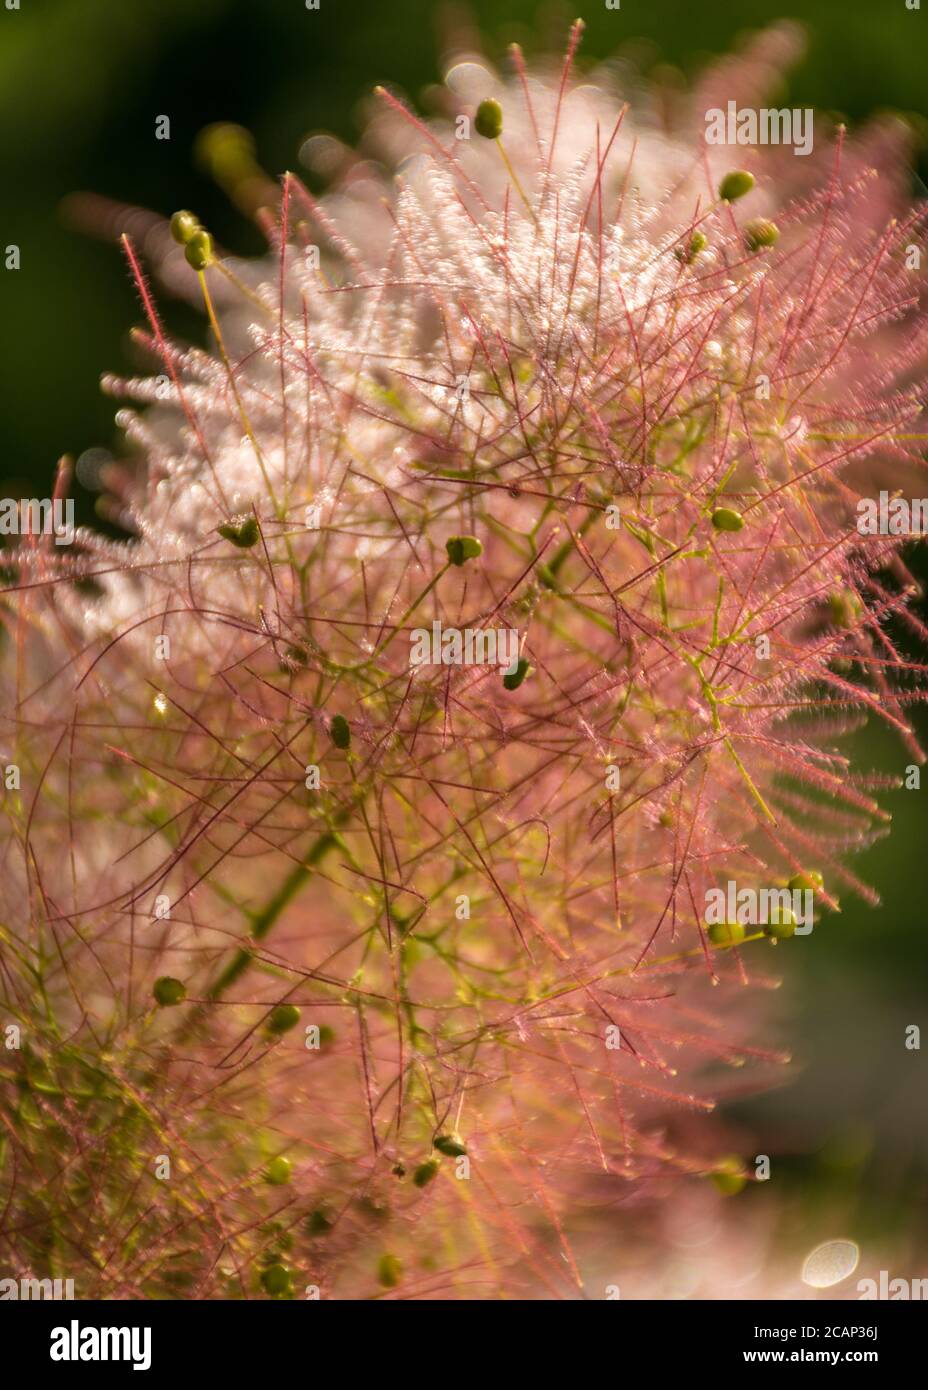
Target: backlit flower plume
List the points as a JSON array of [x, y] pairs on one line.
[[493, 594]]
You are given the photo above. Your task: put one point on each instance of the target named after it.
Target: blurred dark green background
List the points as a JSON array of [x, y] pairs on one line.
[[81, 84]]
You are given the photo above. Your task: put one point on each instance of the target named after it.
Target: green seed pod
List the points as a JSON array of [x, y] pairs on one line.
[[844, 608], [243, 533], [318, 1222], [283, 1018], [725, 933], [461, 548], [686, 255], [294, 656], [168, 991], [278, 1171], [729, 1175], [183, 226], [513, 679], [808, 881], [277, 1281], [727, 519], [782, 924], [489, 119], [760, 233], [199, 249], [340, 731], [426, 1171], [390, 1271], [735, 185], [451, 1145]]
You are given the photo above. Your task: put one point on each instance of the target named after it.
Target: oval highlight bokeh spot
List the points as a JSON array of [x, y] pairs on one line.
[[829, 1263]]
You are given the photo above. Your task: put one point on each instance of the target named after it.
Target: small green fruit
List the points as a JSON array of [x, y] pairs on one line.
[[782, 924], [686, 255], [451, 1145], [426, 1171], [844, 608], [183, 226], [461, 548], [390, 1271], [340, 731], [277, 1280], [760, 233], [199, 250], [318, 1223], [727, 519], [294, 656], [283, 1018], [810, 881], [513, 679], [735, 185], [243, 532], [278, 1171], [489, 119], [725, 933], [168, 991]]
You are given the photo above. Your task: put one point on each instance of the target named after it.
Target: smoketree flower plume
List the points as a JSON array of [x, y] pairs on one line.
[[341, 971]]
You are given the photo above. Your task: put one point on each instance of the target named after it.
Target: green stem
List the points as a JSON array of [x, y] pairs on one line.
[[266, 918]]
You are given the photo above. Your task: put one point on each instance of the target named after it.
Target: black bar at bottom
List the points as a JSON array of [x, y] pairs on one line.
[[267, 1339]]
